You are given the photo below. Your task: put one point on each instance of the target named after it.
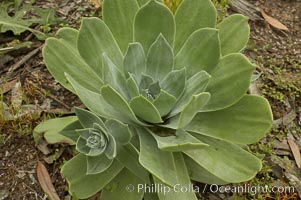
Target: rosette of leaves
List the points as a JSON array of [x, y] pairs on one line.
[[176, 83], [96, 140]]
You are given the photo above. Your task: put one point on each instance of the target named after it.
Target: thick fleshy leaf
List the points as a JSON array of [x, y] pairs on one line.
[[94, 39], [60, 57], [89, 98], [196, 103], [164, 103], [82, 147], [145, 82], [70, 131], [119, 131], [234, 33], [160, 59], [84, 133], [118, 188], [195, 85], [225, 160], [132, 86], [118, 106], [113, 77], [98, 164], [150, 196], [180, 141], [51, 128], [201, 51], [128, 155], [68, 35], [155, 160], [119, 16], [111, 150], [198, 173], [87, 118], [174, 82], [78, 166], [245, 122], [171, 123], [135, 60], [151, 20], [102, 108], [230, 81], [201, 14], [183, 181], [145, 110], [142, 2]]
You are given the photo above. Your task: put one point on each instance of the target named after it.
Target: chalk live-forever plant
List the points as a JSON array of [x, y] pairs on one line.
[[166, 99]]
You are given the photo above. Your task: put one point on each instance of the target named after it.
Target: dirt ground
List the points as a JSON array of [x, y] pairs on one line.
[[30, 92]]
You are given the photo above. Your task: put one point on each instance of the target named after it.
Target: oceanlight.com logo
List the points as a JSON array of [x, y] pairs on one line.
[[249, 189], [240, 189]]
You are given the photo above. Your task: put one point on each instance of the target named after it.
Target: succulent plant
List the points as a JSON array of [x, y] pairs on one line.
[[166, 96]]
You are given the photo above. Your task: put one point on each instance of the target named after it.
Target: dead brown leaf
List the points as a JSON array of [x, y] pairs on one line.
[[295, 151], [17, 94], [95, 3], [6, 87], [272, 21], [45, 182]]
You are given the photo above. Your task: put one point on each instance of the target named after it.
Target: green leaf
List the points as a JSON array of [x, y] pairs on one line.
[[230, 81], [174, 82], [180, 141], [94, 39], [47, 16], [134, 60], [18, 3], [118, 106], [87, 118], [119, 131], [151, 20], [61, 57], [156, 161], [132, 86], [198, 173], [150, 196], [234, 33], [82, 147], [119, 16], [142, 2], [159, 59], [128, 155], [201, 51], [145, 110], [50, 130], [183, 181], [68, 36], [201, 14], [225, 160], [89, 98], [113, 77], [195, 85], [196, 103], [75, 173], [111, 150], [98, 104], [117, 188], [70, 131], [245, 122], [17, 24], [145, 82], [164, 103], [98, 164]]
